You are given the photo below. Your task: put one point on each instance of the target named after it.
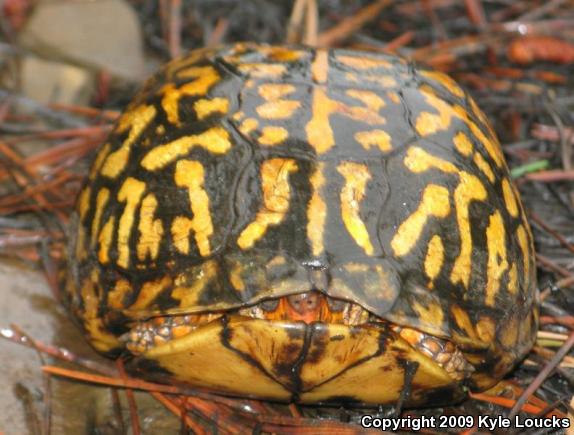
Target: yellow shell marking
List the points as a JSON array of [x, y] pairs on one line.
[[105, 240], [382, 80], [99, 160], [356, 178], [205, 107], [83, 208], [205, 77], [509, 198], [431, 314], [280, 109], [278, 260], [271, 135], [429, 123], [215, 140], [282, 54], [178, 67], [369, 98], [363, 63], [263, 70], [481, 116], [180, 229], [116, 297], [235, 278], [463, 321], [525, 248], [101, 201], [486, 329], [274, 91], [445, 81], [513, 279], [275, 107], [497, 261], [149, 292], [188, 296], [418, 160], [319, 132], [509, 335], [352, 77], [463, 144], [434, 259], [374, 138], [276, 198], [100, 338], [150, 229], [484, 166], [469, 189], [394, 97], [491, 146], [130, 193], [248, 125], [136, 120], [81, 252], [317, 212], [434, 202], [84, 203], [320, 66], [190, 174]]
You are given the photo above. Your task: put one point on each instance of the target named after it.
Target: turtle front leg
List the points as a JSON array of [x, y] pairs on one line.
[[444, 352]]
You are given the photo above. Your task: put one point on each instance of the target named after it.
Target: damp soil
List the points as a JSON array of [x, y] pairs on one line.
[[75, 408]]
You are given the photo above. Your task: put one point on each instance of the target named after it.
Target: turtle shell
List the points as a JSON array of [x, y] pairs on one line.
[[250, 172]]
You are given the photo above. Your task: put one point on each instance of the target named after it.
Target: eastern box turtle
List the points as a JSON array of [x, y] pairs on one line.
[[300, 224]]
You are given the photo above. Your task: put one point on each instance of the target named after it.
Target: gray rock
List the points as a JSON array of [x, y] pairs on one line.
[[102, 34], [55, 82]]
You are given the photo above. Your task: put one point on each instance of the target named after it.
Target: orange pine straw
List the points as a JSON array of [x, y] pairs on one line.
[[208, 408], [172, 407], [232, 423], [111, 382], [509, 403], [399, 41], [131, 400], [111, 115], [294, 410], [138, 384], [551, 176], [302, 424], [156, 390], [529, 49], [567, 321], [351, 24], [65, 133]]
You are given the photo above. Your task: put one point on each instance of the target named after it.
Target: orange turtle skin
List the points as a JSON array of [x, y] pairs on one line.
[[245, 181]]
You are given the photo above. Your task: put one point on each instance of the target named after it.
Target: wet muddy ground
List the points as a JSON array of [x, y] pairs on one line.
[[75, 408]]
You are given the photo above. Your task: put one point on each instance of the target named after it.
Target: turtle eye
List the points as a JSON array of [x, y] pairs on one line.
[[304, 302], [269, 304], [336, 305]]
